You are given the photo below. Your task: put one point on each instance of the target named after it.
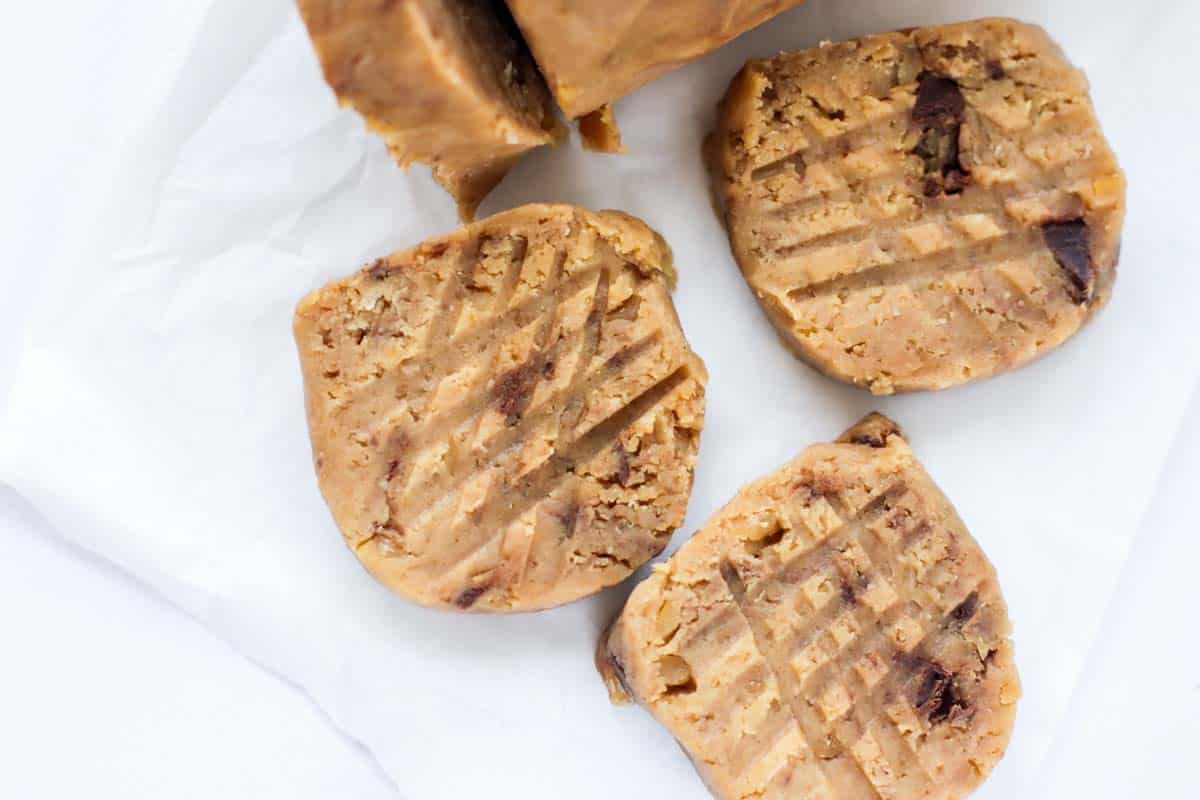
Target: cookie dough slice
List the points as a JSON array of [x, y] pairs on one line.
[[594, 52], [446, 83], [505, 418], [833, 632], [919, 209]]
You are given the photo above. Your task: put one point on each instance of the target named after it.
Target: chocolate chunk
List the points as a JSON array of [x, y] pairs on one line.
[[939, 101], [963, 612], [467, 597], [995, 70], [514, 390], [950, 181], [869, 440], [930, 687], [956, 179], [935, 696], [940, 111], [874, 430], [875, 438], [849, 596], [1071, 243]]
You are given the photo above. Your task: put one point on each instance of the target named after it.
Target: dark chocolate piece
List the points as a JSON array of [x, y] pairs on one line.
[[963, 612], [467, 597], [875, 438], [849, 596], [940, 111], [939, 101], [514, 390], [1071, 243], [936, 696]]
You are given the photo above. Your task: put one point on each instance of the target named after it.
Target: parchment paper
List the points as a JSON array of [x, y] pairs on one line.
[[155, 415]]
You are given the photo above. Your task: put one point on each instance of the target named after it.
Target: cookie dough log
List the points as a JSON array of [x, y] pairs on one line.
[[594, 52], [505, 418], [833, 632], [445, 82], [919, 209]]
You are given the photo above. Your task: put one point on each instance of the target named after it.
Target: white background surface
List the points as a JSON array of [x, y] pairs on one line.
[[114, 693]]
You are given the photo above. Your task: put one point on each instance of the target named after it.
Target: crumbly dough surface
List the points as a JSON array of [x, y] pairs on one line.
[[505, 418], [594, 52], [445, 82], [921, 208], [833, 633]]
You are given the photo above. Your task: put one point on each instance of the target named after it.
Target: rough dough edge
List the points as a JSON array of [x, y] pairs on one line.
[[634, 239]]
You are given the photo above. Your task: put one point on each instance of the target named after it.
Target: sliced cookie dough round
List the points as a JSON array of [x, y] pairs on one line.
[[505, 418], [447, 83], [594, 52], [918, 209], [833, 632]]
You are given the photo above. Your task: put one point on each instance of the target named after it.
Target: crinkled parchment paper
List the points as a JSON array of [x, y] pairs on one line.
[[155, 413]]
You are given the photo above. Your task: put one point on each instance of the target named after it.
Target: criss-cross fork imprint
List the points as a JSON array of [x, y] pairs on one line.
[[834, 632], [505, 418], [919, 209]]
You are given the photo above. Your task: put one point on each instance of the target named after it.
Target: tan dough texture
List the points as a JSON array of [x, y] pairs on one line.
[[445, 82], [593, 52], [919, 209], [505, 418], [833, 633]]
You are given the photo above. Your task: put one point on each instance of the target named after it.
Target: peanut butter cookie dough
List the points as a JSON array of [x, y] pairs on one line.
[[445, 82], [594, 52], [919, 209], [505, 418], [833, 632]]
